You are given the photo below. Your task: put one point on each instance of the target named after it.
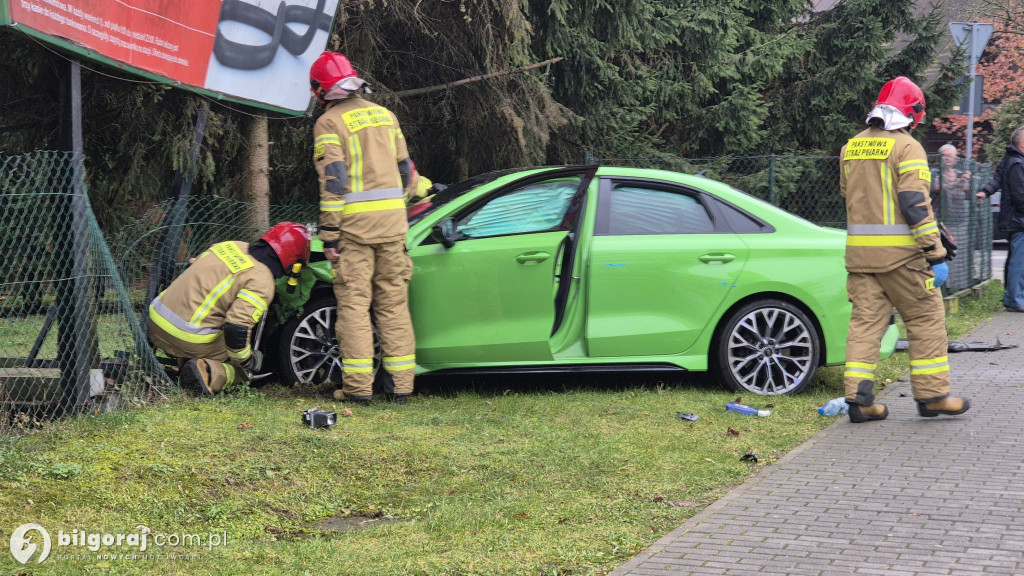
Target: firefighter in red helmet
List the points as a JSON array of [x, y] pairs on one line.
[[894, 256], [361, 158], [205, 316]]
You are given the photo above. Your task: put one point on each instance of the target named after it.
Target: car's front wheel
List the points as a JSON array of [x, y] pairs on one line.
[[767, 347], [308, 350]]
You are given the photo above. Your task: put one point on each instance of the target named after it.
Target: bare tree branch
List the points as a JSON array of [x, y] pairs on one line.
[[418, 91]]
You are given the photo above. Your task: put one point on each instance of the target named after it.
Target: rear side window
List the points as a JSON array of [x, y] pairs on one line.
[[633, 210]]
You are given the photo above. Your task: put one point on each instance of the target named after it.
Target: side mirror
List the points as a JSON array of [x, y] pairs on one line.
[[444, 233]]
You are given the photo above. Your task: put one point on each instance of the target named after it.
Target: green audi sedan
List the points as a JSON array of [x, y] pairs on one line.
[[599, 268]]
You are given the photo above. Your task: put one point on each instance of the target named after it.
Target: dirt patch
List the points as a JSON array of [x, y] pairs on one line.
[[349, 523]]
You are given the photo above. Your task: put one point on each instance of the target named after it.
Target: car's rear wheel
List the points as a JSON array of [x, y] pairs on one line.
[[767, 347], [308, 350]]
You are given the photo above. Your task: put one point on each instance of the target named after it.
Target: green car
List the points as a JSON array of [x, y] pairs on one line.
[[590, 268]]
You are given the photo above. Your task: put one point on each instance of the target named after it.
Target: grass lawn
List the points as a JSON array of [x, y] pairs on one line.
[[499, 476]]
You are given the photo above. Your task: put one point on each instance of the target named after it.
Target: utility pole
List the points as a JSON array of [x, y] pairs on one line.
[[973, 36]]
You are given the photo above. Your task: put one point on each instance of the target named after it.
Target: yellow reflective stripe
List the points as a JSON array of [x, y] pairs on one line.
[[328, 139], [924, 229], [256, 301], [240, 354], [374, 206], [888, 204], [935, 370], [321, 142], [397, 363], [252, 298], [231, 373], [880, 241], [357, 365], [332, 205], [394, 141], [929, 365], [859, 370], [180, 334], [355, 152], [909, 165], [211, 300], [929, 284]]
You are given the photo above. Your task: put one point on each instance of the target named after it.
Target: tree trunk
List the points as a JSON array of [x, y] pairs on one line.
[[257, 184]]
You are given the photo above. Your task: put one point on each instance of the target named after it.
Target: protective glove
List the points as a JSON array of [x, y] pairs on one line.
[[256, 360], [941, 273]]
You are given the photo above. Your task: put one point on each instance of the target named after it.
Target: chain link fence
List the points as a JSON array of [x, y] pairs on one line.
[[809, 187], [72, 302], [69, 336]]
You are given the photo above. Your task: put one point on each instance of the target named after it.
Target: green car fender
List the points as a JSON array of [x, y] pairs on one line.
[[291, 293]]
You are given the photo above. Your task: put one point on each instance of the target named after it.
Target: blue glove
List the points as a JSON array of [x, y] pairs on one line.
[[941, 273]]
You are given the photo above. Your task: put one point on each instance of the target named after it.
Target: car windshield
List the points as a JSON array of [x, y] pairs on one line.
[[455, 190]]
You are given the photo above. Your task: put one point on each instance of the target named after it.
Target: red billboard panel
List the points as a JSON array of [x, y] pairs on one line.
[[257, 50]]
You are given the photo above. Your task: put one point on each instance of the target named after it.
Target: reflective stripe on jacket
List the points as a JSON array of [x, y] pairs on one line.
[[885, 180], [225, 285], [357, 147]]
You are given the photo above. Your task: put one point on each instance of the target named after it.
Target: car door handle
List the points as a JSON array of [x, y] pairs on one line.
[[532, 257], [708, 258]]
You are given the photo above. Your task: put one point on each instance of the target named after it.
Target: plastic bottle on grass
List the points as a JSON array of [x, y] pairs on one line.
[[834, 407], [746, 410]]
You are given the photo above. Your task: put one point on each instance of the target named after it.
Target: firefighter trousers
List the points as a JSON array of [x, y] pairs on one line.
[[374, 276], [215, 353], [873, 296]]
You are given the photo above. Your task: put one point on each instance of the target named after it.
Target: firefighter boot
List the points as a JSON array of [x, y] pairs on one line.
[[950, 406], [860, 413], [358, 400], [196, 376]]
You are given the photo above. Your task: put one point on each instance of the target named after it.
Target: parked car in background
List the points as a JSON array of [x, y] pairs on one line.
[[574, 269]]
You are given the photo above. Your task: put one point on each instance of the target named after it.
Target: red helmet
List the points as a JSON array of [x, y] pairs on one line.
[[290, 242], [329, 69], [902, 94]]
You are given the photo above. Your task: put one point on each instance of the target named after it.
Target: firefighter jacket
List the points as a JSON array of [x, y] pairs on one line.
[[885, 179], [224, 292], [357, 149]]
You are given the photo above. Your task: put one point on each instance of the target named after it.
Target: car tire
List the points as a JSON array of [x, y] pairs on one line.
[[308, 351], [768, 347]]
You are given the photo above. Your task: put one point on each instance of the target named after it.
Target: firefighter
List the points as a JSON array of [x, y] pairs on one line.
[[894, 256], [361, 158], [205, 316]]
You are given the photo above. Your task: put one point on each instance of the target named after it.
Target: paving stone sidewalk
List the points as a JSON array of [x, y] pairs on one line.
[[909, 496]]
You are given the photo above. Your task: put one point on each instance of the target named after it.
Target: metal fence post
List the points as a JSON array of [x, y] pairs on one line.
[[77, 328], [771, 179]]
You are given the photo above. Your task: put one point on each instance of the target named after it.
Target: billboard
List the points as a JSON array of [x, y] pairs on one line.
[[251, 51]]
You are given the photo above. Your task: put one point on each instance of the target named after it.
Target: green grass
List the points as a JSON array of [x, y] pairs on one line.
[[557, 476]]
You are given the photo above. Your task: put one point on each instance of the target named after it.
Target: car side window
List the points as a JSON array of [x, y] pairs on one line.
[[537, 207], [632, 210]]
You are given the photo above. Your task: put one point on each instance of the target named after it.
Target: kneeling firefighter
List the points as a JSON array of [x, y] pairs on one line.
[[204, 317]]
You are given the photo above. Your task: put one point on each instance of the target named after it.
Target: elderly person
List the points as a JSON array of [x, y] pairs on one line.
[[950, 194]]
